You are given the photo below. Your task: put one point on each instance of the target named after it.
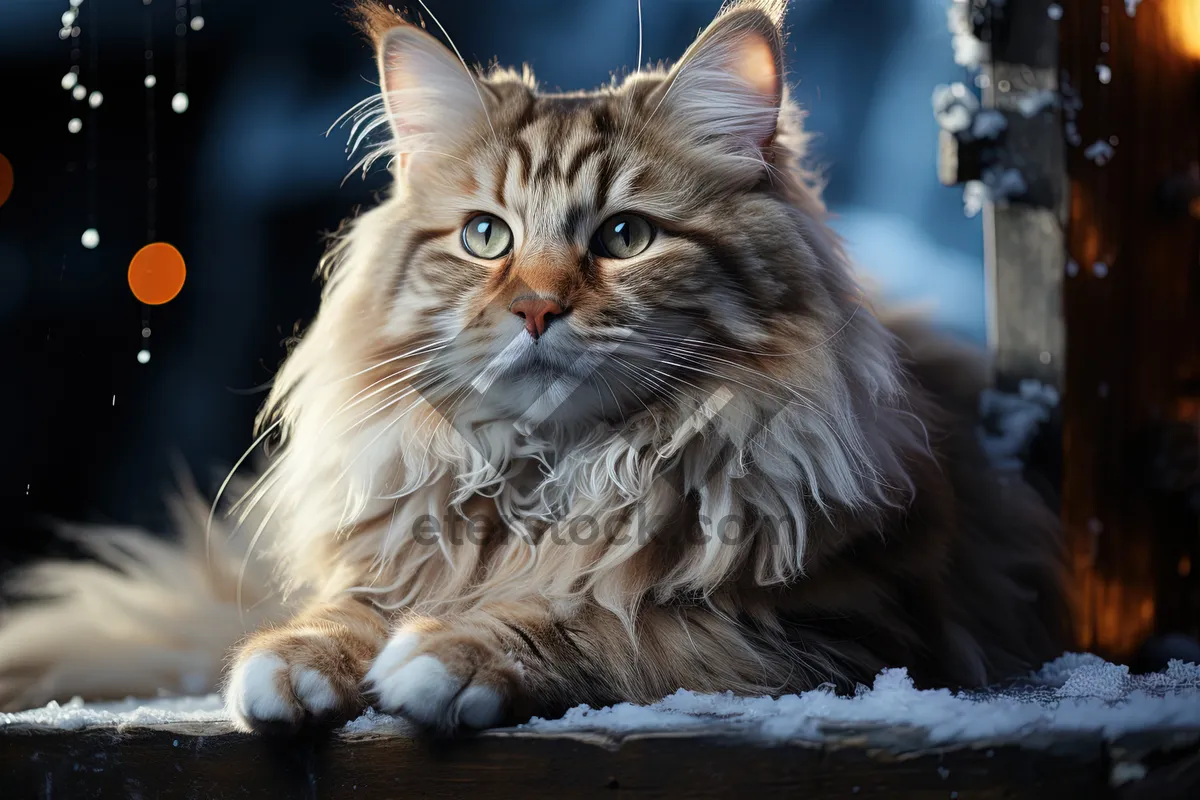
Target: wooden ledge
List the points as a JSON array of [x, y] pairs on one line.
[[210, 760]]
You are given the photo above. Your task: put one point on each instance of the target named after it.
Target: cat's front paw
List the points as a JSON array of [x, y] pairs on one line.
[[444, 679], [280, 684]]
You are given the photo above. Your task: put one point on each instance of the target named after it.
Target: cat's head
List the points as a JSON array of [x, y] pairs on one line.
[[599, 282], [594, 253]]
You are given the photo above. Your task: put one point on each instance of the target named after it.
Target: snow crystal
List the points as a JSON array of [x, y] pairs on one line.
[[1005, 183], [999, 185], [1074, 693], [160, 711], [1009, 423], [1059, 671], [1099, 151], [988, 124], [1032, 103], [968, 51], [944, 716], [975, 194], [1096, 680], [954, 106]]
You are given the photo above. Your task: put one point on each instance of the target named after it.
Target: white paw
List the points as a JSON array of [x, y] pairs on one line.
[[466, 686], [263, 691]]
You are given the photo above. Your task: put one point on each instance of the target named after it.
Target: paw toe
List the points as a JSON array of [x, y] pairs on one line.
[[258, 692], [443, 683]]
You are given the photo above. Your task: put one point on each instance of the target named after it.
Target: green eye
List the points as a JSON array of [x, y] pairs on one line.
[[622, 236], [485, 236]]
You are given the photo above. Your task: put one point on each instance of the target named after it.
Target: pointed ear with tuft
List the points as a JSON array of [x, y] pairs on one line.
[[429, 95], [729, 85]]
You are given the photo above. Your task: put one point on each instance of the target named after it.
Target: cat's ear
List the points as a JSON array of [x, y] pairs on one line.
[[429, 95], [729, 85]]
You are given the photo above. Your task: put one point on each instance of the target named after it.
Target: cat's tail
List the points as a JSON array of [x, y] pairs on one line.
[[145, 616]]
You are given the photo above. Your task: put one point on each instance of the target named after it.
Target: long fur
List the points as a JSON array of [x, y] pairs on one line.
[[724, 470]]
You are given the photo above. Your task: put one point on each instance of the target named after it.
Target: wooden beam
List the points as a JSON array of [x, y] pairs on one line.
[[189, 761]]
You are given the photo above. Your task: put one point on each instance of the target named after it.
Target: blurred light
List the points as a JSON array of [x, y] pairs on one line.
[[157, 273], [197, 23], [95, 99], [75, 125], [1185, 566], [68, 17], [179, 103], [90, 239], [143, 356], [69, 80], [6, 179], [150, 81], [1183, 21], [79, 92]]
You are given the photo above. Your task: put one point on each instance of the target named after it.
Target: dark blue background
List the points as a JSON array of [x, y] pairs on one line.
[[247, 182]]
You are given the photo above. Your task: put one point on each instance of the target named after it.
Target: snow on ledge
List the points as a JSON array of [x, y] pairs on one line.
[[1077, 693]]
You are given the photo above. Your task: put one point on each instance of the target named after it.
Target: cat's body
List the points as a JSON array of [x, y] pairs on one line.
[[593, 410]]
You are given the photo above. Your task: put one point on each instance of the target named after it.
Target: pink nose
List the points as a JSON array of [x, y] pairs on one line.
[[537, 313]]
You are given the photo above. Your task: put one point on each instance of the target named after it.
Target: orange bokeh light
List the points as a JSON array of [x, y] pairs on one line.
[[6, 179], [157, 273], [1183, 21]]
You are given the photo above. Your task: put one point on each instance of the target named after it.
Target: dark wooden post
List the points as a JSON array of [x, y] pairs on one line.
[[1132, 311], [1024, 235]]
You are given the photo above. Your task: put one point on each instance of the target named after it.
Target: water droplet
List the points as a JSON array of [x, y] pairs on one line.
[[180, 102], [90, 239], [75, 125]]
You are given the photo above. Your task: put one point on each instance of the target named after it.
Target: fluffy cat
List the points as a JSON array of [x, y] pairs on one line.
[[593, 410]]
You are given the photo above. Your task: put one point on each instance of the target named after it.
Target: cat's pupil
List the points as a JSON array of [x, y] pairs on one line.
[[485, 230], [622, 230]]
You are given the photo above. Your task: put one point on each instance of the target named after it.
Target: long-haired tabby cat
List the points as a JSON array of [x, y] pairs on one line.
[[593, 410]]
